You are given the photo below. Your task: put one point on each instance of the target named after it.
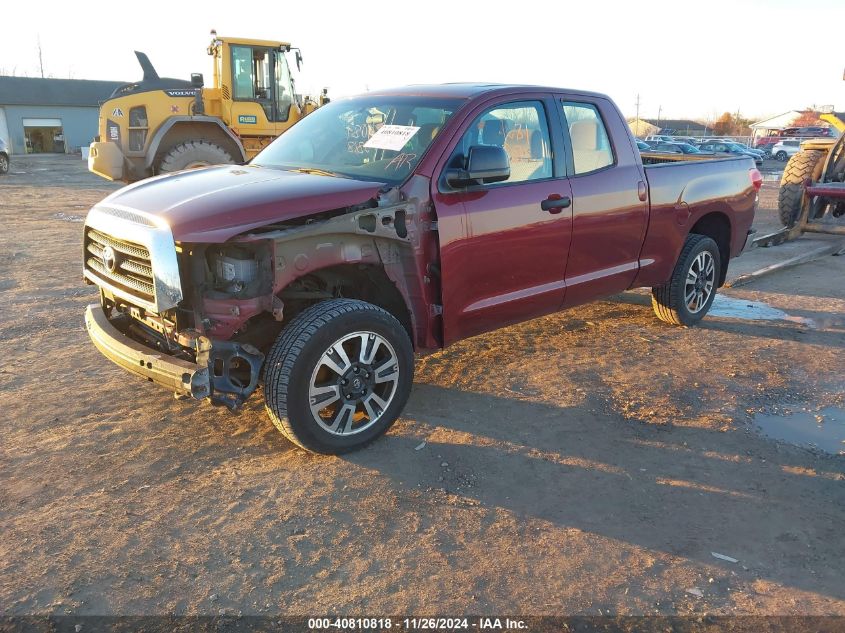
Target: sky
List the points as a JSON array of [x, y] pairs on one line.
[[684, 58]]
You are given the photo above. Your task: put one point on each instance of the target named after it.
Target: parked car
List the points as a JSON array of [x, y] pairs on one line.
[[4, 157], [766, 142], [348, 245], [785, 149], [676, 148], [753, 150], [812, 131], [723, 147], [765, 145], [657, 138]]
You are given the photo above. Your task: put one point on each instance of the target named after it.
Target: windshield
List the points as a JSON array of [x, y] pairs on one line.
[[367, 138], [735, 147]]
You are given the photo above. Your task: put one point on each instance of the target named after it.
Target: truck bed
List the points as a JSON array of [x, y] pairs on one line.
[[684, 189]]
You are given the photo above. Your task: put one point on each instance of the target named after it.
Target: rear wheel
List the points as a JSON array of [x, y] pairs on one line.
[[4, 164], [338, 376], [691, 290], [192, 154], [805, 165], [781, 156]]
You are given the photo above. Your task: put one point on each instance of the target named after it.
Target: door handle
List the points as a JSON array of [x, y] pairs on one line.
[[555, 203]]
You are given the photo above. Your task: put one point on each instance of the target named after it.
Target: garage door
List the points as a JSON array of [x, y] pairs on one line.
[[42, 123], [44, 136]]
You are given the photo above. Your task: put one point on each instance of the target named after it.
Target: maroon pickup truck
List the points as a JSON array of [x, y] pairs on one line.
[[393, 223]]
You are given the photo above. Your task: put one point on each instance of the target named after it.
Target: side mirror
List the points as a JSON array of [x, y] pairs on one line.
[[197, 80], [485, 164]]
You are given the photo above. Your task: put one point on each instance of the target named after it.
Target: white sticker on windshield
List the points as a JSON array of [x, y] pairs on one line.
[[391, 137]]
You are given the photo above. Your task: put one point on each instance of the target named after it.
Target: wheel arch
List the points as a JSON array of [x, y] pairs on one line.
[[178, 130], [717, 226], [370, 282]]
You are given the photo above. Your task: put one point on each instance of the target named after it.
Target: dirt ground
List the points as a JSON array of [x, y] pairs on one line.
[[584, 463]]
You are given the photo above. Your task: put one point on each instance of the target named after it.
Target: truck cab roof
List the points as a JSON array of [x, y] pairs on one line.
[[469, 90]]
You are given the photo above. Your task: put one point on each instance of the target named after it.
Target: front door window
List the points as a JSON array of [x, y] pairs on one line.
[[521, 130]]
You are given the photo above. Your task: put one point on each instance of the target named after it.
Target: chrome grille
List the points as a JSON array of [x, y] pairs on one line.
[[133, 272]]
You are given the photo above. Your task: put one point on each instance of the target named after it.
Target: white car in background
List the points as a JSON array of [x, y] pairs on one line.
[[784, 150], [4, 157]]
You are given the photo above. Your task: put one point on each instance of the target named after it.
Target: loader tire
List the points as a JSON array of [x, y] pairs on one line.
[[802, 166], [192, 154]]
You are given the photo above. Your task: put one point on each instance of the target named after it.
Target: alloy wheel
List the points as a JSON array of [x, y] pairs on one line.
[[700, 281], [353, 383]]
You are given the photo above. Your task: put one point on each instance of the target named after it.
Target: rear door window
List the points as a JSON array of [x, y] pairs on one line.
[[591, 149]]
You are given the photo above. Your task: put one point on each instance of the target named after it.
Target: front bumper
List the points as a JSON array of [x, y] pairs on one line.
[[181, 376], [226, 372]]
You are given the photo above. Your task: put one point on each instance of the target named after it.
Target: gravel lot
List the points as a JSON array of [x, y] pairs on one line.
[[583, 463]]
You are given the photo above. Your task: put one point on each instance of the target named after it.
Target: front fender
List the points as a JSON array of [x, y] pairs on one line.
[[170, 123]]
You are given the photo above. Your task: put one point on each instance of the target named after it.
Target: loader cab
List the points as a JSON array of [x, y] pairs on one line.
[[255, 85]]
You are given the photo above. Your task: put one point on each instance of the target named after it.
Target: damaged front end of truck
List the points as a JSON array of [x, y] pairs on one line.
[[198, 317]]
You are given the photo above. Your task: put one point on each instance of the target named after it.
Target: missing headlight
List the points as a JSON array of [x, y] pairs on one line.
[[234, 268]]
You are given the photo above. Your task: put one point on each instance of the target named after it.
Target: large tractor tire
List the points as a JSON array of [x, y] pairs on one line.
[[802, 166], [192, 154]]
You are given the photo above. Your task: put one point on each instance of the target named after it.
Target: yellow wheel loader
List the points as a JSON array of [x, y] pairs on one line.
[[160, 125], [813, 183]]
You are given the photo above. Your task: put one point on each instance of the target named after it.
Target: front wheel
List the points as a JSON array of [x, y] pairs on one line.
[[4, 164], [781, 156], [688, 295], [338, 376]]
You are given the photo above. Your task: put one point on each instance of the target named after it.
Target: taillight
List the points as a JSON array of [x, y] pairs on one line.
[[756, 178]]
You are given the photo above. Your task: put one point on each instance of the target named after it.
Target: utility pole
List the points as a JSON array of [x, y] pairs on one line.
[[659, 110], [637, 124]]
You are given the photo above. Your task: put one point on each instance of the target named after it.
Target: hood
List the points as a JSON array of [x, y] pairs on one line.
[[213, 204]]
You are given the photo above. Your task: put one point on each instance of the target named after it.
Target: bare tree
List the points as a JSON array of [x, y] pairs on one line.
[[40, 57]]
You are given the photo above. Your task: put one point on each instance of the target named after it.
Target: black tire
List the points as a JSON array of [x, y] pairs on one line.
[[669, 300], [192, 154], [802, 166], [4, 164], [781, 156], [296, 355]]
